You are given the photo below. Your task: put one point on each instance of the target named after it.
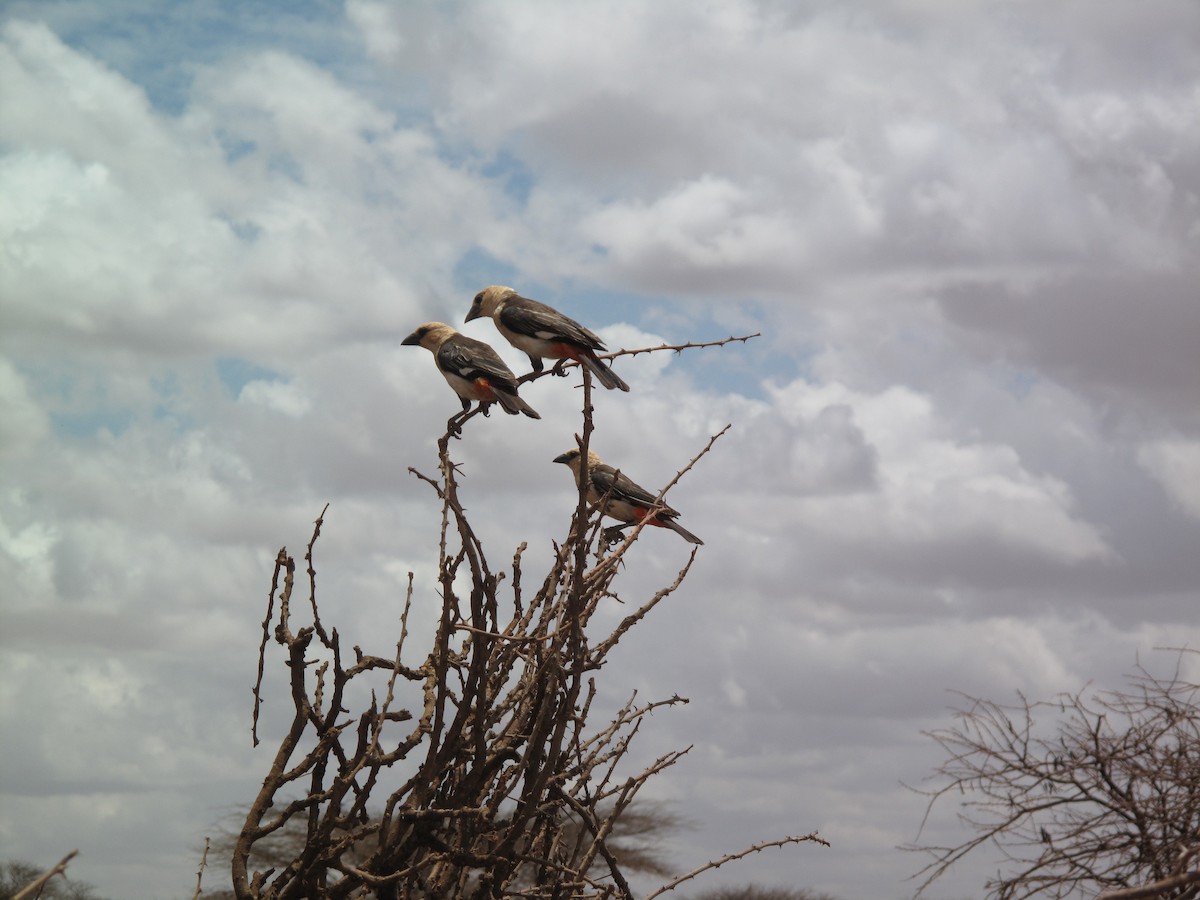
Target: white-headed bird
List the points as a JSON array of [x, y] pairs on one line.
[[619, 497], [542, 332], [472, 368]]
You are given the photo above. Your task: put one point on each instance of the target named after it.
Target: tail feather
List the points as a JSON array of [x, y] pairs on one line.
[[603, 373], [513, 404], [678, 529]]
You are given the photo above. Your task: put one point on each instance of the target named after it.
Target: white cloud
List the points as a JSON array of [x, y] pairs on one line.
[[917, 152], [704, 227], [882, 469], [161, 228], [58, 98], [289, 399], [1175, 464], [23, 423]]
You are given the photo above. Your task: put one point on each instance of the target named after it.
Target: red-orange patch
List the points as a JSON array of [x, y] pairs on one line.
[[641, 513], [564, 351]]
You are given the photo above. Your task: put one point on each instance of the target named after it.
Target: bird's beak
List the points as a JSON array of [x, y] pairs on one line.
[[412, 339], [563, 457], [475, 313]]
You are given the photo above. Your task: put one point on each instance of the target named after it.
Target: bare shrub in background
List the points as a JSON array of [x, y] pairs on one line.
[[1106, 801]]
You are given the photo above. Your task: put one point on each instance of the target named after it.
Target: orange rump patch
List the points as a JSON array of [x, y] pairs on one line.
[[644, 514], [564, 351], [484, 388]]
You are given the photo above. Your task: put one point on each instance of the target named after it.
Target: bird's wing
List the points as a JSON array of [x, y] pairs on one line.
[[608, 480], [470, 359], [538, 320]]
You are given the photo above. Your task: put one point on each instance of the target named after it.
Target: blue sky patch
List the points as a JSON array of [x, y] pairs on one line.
[[476, 269], [90, 422], [235, 373], [160, 45], [234, 147], [515, 174]]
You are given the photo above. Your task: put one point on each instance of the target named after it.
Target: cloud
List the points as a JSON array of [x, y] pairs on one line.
[[1103, 334], [855, 488], [917, 153], [1175, 464], [709, 229], [284, 398], [268, 188], [23, 423]]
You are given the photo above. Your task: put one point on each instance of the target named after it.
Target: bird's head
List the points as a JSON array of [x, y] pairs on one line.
[[431, 335], [488, 300], [571, 459]]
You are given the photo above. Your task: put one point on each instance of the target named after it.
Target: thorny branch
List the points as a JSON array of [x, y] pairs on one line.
[[486, 776], [562, 366], [200, 870], [679, 348], [730, 857], [35, 887]]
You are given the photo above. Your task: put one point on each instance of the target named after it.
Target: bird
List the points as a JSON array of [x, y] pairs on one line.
[[542, 332], [472, 368], [621, 498]]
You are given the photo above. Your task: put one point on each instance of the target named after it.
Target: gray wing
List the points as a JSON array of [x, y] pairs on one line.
[[471, 359], [607, 480], [538, 320]]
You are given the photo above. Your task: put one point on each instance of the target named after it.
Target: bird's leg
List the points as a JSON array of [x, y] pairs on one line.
[[535, 361], [485, 408], [614, 534], [455, 425], [558, 368]]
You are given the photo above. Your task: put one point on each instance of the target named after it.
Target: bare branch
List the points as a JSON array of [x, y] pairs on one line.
[[200, 870], [730, 857], [1160, 888], [35, 887], [563, 365], [282, 562], [679, 348]]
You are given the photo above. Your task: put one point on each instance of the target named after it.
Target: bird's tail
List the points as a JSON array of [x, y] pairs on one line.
[[513, 404], [603, 373], [678, 529]]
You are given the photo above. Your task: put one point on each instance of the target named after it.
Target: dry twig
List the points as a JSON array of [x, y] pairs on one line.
[[730, 857], [200, 870], [35, 887], [561, 367]]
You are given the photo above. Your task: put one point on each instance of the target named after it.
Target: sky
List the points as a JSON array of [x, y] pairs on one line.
[[964, 453]]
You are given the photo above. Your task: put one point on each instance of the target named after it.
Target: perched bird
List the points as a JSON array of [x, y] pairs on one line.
[[472, 368], [542, 332], [620, 498]]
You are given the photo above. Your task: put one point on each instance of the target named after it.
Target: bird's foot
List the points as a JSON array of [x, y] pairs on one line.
[[613, 535]]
